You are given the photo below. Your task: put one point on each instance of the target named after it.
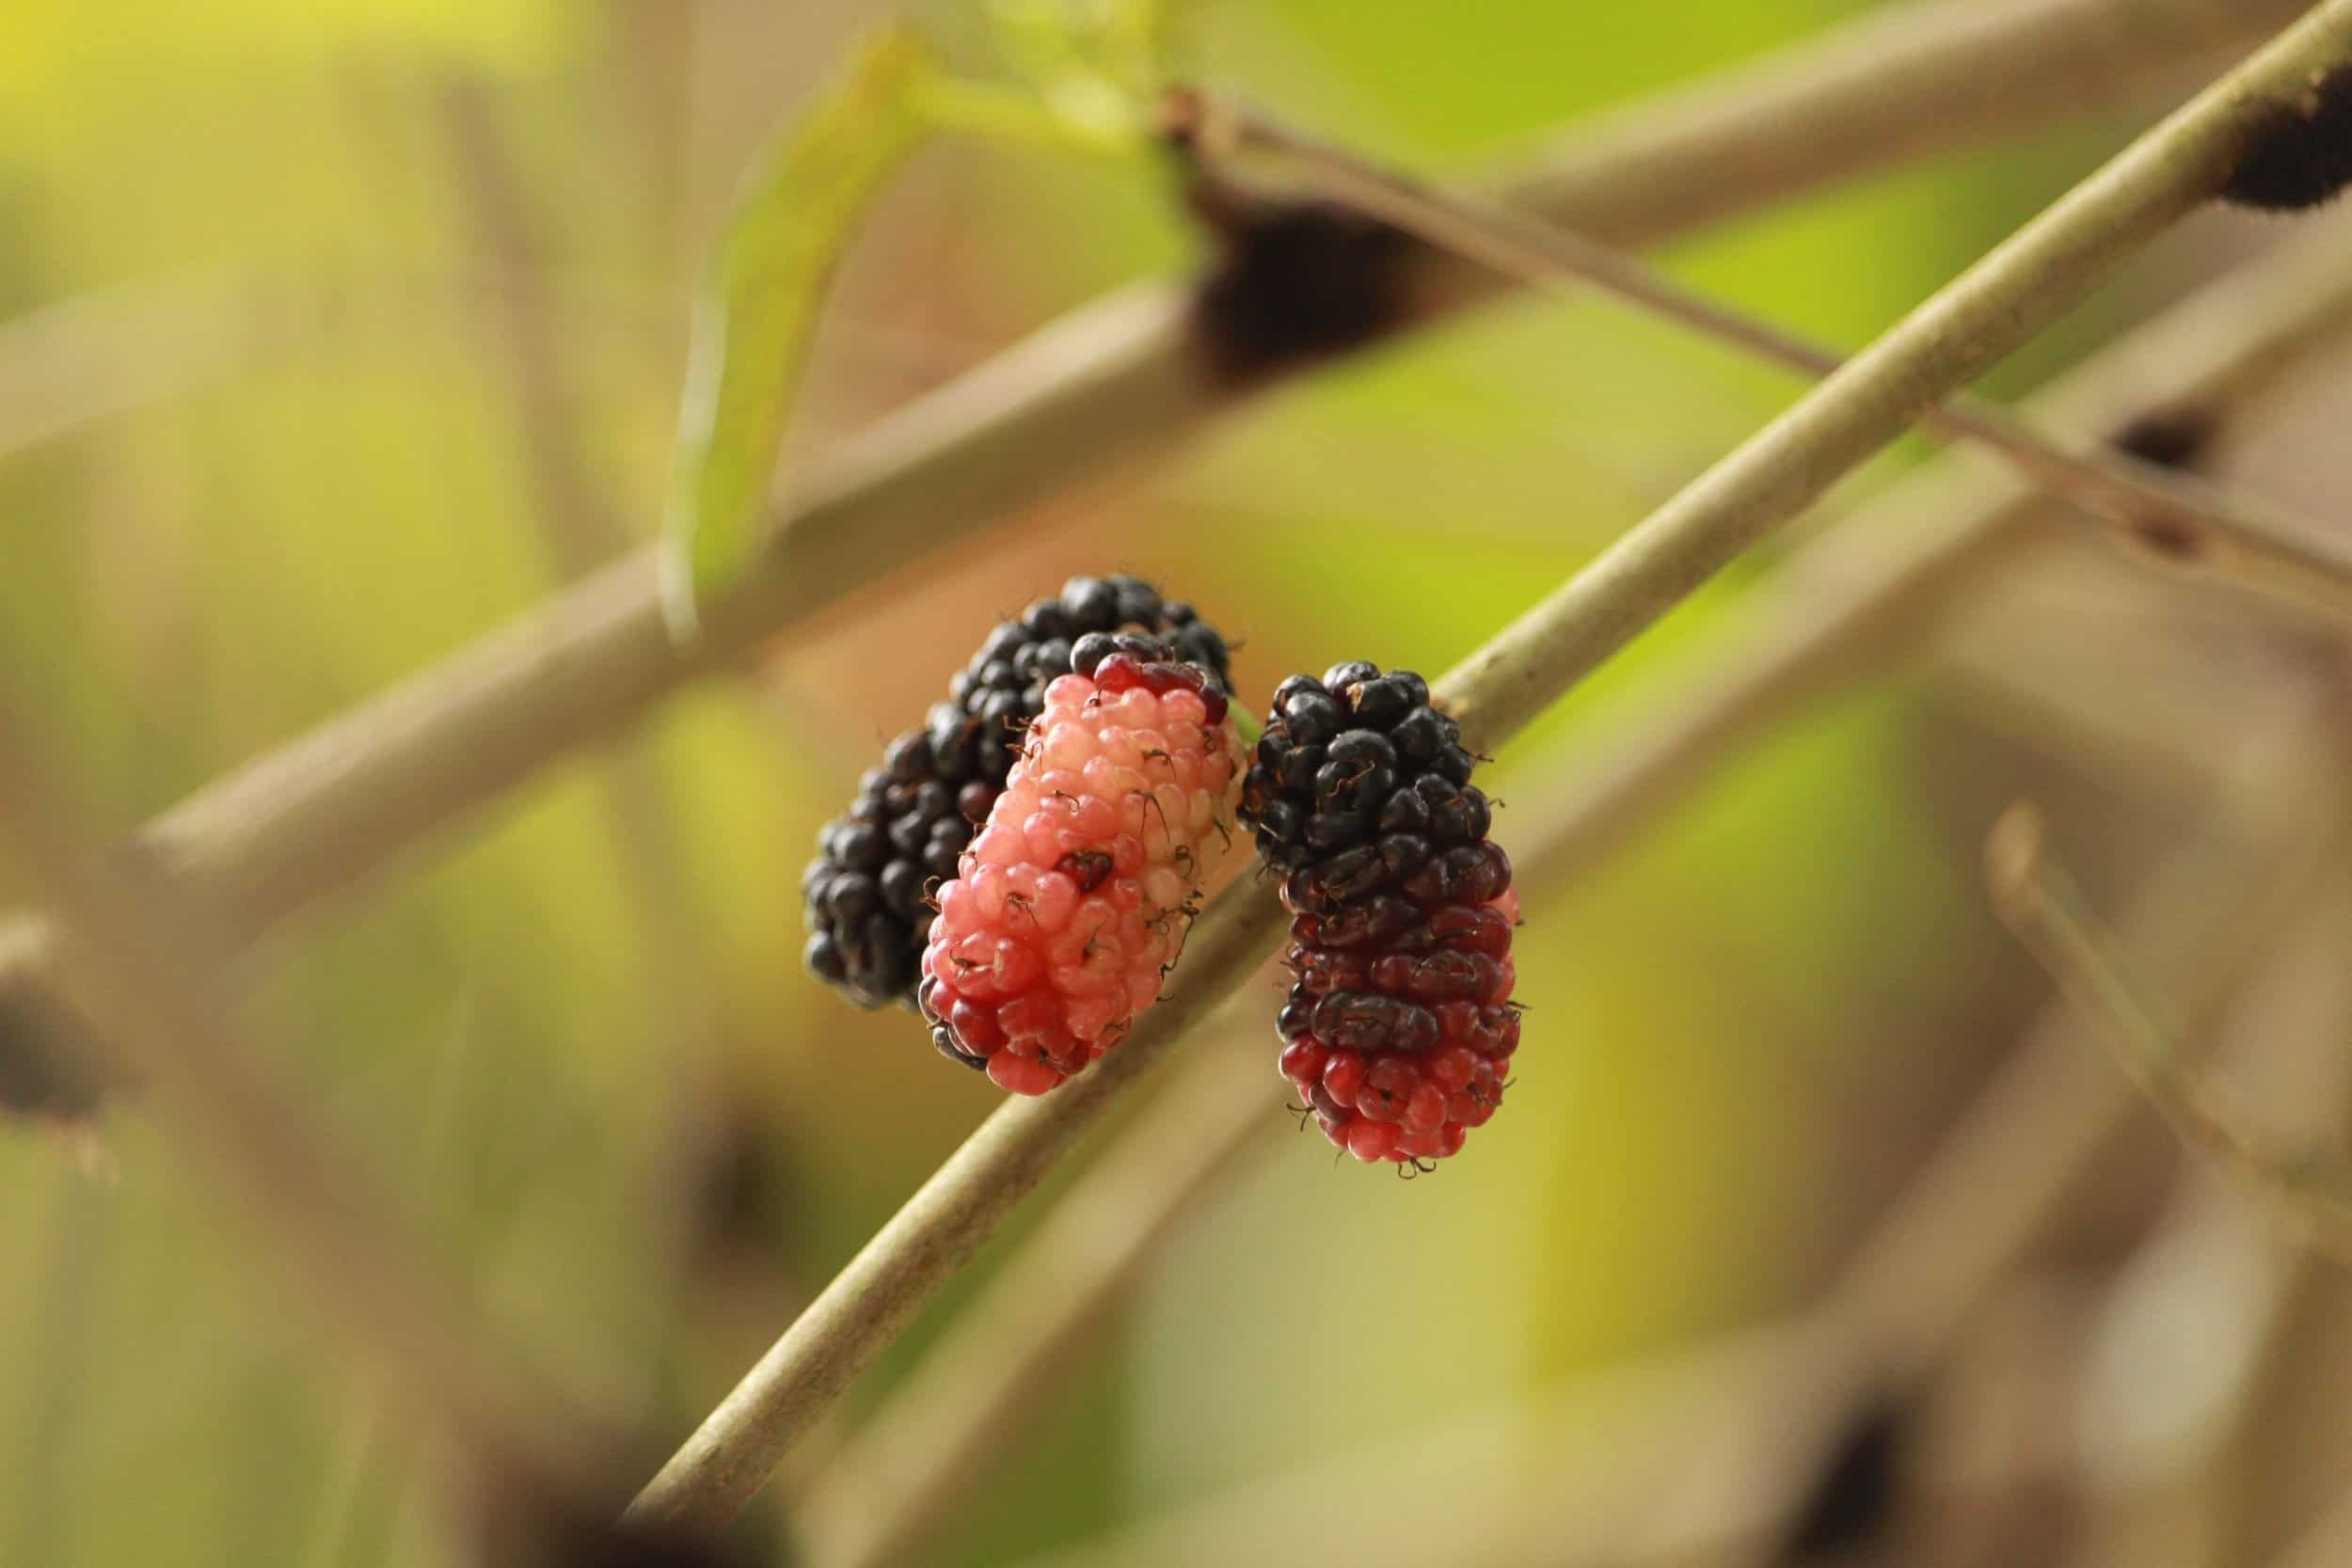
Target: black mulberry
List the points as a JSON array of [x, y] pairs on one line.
[[2299, 156], [1399, 1028], [866, 893]]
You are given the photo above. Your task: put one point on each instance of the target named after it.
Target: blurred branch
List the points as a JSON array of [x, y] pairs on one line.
[[1869, 578], [91, 356], [2174, 519], [1898, 83], [2026, 282], [100, 354], [2327, 1544], [575, 514], [2194, 1343], [1114, 382], [1878, 577], [1994, 1187], [2039, 903], [575, 510], [145, 974]]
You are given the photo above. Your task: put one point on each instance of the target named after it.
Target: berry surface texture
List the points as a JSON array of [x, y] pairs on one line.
[[1399, 1029], [1072, 901], [868, 891]]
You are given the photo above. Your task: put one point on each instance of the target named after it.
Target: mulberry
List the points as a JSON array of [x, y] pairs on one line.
[[865, 892], [1399, 1028], [2299, 156], [1072, 902], [1359, 784]]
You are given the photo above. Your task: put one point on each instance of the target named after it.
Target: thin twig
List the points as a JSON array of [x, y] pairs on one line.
[[1109, 384], [574, 513], [2041, 272], [885, 1493], [75, 362], [2169, 1409], [1895, 83], [937, 1231], [1865, 579], [581, 526], [2175, 519], [2039, 903], [1874, 581], [2024, 284]]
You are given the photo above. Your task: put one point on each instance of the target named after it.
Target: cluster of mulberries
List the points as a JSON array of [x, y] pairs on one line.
[[1025, 867], [1072, 903], [877, 865], [1399, 1028]]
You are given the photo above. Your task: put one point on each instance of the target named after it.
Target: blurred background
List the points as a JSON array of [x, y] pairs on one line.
[[332, 335]]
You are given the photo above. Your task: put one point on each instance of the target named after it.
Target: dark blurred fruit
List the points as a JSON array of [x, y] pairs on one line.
[[866, 893], [1297, 282], [46, 1071], [530, 1524], [1858, 1491], [2301, 156]]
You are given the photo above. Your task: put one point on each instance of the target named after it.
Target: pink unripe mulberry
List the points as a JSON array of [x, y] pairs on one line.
[[1072, 902]]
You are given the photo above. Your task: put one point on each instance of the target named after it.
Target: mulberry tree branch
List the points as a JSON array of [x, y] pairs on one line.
[[894, 1482], [2004, 299], [2178, 519], [2039, 272], [1898, 83]]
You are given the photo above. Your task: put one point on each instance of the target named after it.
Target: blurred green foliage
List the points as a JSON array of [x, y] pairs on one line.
[[526, 1028]]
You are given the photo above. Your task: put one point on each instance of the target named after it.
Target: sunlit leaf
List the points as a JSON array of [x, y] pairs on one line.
[[753, 327], [1096, 64]]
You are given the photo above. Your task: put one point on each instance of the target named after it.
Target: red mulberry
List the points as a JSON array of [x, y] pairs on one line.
[[865, 892], [1399, 1029], [1074, 900], [1400, 1042]]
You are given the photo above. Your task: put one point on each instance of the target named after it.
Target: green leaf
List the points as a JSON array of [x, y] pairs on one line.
[[753, 327], [1097, 65]]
